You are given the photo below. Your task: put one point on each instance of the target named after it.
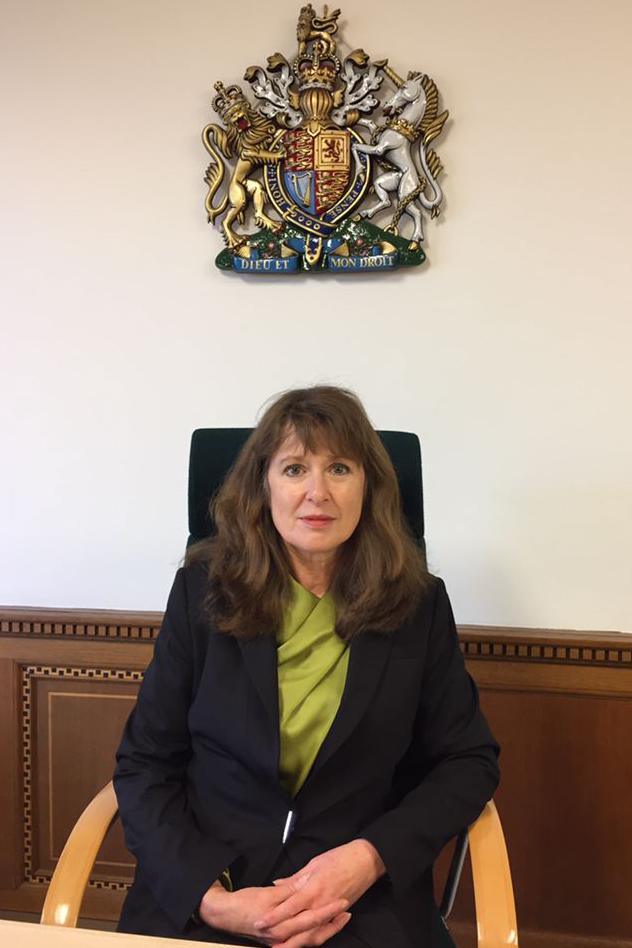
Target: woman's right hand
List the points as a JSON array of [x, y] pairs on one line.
[[238, 911]]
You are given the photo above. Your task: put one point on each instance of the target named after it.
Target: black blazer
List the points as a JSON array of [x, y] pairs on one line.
[[409, 761]]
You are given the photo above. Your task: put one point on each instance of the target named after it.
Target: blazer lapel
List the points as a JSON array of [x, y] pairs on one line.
[[260, 660], [368, 655]]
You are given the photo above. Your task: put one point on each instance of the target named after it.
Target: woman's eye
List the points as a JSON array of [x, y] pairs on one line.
[[292, 470], [340, 468]]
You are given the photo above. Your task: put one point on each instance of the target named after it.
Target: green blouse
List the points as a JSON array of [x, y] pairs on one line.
[[312, 670]]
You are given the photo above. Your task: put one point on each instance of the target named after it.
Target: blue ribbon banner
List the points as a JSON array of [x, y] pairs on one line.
[[379, 261], [266, 264]]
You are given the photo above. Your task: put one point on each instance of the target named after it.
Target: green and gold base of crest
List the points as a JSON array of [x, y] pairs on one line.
[[356, 246]]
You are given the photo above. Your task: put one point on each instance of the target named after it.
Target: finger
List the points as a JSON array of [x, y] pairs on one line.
[[325, 932], [298, 880], [294, 908], [318, 936], [288, 908], [306, 921], [281, 891]]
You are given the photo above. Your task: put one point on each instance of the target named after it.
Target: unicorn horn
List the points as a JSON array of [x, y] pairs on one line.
[[392, 75]]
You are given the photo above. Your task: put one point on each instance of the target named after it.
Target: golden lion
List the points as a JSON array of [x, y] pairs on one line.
[[313, 27], [248, 136]]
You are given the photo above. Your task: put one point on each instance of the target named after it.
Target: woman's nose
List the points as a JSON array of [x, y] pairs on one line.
[[317, 490]]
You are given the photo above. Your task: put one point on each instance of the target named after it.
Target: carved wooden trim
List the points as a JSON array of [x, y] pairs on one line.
[[480, 643], [80, 623], [550, 646], [29, 673]]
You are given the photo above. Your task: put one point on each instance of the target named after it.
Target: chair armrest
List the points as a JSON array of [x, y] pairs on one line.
[[493, 891], [69, 881]]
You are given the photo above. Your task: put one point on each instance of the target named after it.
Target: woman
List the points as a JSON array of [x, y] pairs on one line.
[[306, 738]]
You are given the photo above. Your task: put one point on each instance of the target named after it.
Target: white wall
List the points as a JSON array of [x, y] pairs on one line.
[[509, 354]]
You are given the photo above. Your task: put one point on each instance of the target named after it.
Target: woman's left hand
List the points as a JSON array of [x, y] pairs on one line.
[[345, 872]]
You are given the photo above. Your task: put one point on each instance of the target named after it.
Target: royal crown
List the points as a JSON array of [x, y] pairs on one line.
[[318, 68], [316, 73], [227, 99]]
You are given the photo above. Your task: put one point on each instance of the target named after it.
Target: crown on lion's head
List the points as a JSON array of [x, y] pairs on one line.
[[230, 103], [244, 124]]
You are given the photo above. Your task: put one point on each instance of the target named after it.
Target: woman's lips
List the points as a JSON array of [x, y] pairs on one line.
[[317, 521]]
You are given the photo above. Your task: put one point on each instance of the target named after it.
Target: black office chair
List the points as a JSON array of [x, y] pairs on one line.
[[213, 451]]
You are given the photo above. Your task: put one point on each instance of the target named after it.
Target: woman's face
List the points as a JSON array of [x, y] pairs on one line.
[[315, 498]]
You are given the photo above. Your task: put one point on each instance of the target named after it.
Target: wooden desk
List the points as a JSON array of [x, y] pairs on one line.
[[28, 935]]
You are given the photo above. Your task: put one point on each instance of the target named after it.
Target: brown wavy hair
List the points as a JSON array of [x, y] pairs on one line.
[[380, 572]]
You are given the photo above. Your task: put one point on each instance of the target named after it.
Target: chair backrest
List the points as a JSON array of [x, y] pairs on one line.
[[213, 451]]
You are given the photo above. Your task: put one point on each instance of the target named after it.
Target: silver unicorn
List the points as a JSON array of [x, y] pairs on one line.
[[412, 115]]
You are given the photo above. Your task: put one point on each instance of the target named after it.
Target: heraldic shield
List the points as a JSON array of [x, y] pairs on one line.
[[315, 184], [303, 160]]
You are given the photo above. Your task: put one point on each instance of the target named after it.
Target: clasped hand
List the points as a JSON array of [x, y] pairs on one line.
[[307, 908]]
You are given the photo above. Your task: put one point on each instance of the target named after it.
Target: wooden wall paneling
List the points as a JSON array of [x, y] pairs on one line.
[[562, 795], [63, 653], [561, 707], [77, 716], [74, 681], [11, 828], [560, 704]]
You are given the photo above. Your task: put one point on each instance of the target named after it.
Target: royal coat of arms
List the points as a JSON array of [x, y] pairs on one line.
[[312, 168]]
